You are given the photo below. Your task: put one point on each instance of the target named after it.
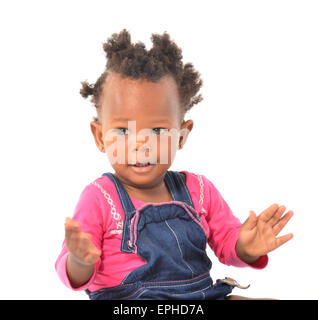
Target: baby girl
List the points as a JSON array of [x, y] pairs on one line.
[[141, 231]]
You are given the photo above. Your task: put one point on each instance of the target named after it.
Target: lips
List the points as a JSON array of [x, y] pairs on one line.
[[142, 167], [142, 164]]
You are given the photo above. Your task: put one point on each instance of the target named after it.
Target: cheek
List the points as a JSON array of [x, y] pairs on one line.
[[116, 150], [166, 149]]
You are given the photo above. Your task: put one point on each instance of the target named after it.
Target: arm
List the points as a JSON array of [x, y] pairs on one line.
[[224, 229], [84, 232], [78, 273], [83, 255]]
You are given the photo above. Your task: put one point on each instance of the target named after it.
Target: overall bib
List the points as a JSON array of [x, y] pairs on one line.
[[169, 236]]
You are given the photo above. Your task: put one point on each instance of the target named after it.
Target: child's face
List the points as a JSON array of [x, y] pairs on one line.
[[135, 116]]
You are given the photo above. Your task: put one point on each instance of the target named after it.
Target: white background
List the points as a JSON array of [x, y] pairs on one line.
[[254, 136]]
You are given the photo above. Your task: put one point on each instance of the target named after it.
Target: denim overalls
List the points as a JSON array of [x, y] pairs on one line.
[[169, 236]]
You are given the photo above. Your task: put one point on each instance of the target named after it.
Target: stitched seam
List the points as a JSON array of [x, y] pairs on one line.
[[182, 204], [176, 281], [185, 188], [131, 294], [110, 288], [120, 192], [139, 295], [120, 195], [179, 285], [126, 221], [182, 294], [179, 247], [171, 187], [133, 231]]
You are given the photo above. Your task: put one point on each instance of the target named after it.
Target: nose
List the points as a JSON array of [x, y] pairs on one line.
[[142, 145], [141, 149]]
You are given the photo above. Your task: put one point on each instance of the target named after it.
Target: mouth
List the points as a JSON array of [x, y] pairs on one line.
[[141, 167], [141, 164]]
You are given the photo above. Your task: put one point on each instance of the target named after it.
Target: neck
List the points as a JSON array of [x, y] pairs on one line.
[[156, 192]]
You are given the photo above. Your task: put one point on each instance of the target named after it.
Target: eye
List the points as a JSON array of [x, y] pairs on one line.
[[122, 131], [159, 130]]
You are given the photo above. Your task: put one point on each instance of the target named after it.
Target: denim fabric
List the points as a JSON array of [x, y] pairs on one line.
[[170, 238]]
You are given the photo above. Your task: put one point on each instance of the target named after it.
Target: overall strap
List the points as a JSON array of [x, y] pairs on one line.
[[125, 200], [177, 187], [174, 182]]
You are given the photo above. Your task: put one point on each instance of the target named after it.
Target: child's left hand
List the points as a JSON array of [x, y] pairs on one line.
[[257, 235]]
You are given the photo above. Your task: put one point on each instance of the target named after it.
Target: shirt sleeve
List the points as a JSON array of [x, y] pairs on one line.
[[89, 213], [224, 228]]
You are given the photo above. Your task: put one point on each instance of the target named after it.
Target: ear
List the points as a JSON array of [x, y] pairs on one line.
[[97, 132], [186, 128]]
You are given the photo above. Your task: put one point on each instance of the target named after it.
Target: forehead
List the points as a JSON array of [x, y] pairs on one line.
[[139, 98]]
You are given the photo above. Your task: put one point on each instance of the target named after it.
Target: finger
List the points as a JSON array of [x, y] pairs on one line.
[[72, 228], [283, 239], [76, 227], [68, 219], [277, 228], [69, 222], [68, 227], [251, 221], [267, 214], [275, 218]]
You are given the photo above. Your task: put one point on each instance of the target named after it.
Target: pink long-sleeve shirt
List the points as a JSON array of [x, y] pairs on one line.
[[100, 213]]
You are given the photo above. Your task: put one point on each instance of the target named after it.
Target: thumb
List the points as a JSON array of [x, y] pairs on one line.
[[251, 221]]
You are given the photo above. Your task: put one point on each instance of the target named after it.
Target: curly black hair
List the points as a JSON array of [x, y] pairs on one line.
[[134, 61]]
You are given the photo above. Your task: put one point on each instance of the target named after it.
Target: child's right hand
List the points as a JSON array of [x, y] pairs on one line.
[[79, 243]]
